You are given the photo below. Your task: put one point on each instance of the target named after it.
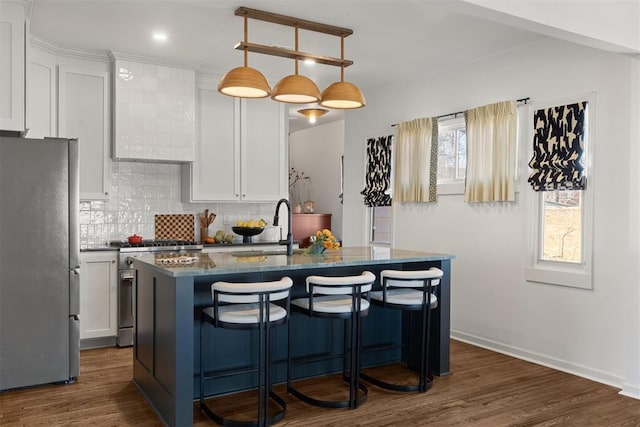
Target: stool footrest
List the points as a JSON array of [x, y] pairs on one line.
[[253, 423], [332, 403], [399, 387]]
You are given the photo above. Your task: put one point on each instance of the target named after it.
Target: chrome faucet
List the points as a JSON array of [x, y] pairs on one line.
[[289, 239]]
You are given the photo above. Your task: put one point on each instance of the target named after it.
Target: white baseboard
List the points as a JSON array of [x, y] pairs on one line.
[[550, 362], [630, 390]]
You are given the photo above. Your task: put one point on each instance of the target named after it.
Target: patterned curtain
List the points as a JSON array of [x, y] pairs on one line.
[[491, 153], [558, 144], [415, 169], [378, 179]]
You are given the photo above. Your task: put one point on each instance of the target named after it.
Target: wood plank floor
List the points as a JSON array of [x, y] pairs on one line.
[[485, 389]]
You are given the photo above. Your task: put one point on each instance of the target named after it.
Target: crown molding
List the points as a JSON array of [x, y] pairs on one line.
[[70, 53], [123, 56]]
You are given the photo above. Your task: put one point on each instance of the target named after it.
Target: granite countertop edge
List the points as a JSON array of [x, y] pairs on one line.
[[225, 263]]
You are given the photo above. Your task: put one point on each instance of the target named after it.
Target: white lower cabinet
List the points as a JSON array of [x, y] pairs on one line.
[[98, 294]]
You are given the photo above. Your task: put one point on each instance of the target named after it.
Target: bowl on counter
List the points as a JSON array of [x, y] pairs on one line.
[[247, 233]]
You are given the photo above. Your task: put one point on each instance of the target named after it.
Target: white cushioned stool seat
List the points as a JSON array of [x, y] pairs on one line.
[[330, 304], [404, 297], [246, 313]]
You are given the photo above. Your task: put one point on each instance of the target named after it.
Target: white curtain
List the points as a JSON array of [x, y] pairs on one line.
[[416, 161], [491, 153]]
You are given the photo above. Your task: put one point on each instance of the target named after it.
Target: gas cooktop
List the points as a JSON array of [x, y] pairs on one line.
[[155, 245]]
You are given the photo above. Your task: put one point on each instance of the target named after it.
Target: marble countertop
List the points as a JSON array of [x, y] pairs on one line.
[[107, 247], [253, 261]]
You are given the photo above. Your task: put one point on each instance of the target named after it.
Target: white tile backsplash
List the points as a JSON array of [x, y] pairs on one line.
[[141, 190], [154, 112]]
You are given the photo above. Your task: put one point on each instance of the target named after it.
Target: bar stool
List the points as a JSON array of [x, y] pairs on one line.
[[248, 306], [409, 291], [336, 298]]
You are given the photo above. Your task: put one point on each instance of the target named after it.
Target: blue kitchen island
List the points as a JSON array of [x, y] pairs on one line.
[[172, 288]]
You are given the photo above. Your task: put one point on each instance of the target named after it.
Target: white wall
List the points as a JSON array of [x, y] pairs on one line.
[[316, 151], [580, 331], [604, 24]]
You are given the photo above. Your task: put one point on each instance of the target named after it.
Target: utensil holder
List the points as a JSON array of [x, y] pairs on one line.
[[204, 233]]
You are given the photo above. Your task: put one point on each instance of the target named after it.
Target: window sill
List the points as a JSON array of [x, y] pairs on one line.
[[451, 188], [574, 278]]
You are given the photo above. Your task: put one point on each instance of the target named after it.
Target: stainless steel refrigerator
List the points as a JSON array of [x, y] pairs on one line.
[[39, 261]]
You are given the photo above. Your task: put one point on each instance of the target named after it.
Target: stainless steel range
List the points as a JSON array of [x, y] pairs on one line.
[[127, 278]]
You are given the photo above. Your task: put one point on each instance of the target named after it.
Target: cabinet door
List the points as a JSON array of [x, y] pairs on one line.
[[98, 294], [215, 173], [263, 147], [42, 94], [12, 66], [83, 113]]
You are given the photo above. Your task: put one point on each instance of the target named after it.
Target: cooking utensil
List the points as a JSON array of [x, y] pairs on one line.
[[134, 239], [207, 219]]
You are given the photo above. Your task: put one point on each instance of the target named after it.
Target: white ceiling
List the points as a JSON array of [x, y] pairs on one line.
[[391, 41]]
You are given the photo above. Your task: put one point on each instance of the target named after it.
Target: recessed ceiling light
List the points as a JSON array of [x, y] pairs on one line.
[[161, 37]]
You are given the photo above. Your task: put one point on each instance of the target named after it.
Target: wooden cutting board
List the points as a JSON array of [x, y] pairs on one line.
[[175, 226]]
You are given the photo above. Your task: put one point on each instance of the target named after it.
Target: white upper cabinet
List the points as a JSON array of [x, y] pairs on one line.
[[83, 113], [13, 25], [215, 173], [154, 111], [264, 170], [241, 150], [43, 96]]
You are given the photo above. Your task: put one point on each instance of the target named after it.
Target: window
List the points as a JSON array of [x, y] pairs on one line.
[[561, 224], [452, 156], [381, 225], [560, 250]]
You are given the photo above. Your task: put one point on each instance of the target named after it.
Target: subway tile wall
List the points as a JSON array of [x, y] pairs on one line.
[[141, 190]]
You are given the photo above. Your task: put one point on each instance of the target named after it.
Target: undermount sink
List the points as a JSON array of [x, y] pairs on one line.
[[265, 253]]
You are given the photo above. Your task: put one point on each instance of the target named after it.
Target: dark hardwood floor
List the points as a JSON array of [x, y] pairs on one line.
[[485, 389]]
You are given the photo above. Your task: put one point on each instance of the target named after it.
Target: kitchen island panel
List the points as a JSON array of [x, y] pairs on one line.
[[163, 344], [166, 347]]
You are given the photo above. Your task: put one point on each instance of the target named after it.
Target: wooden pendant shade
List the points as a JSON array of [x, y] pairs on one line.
[[246, 82], [343, 95], [296, 89]]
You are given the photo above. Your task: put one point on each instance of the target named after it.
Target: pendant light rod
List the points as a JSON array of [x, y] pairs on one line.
[[341, 57], [292, 54], [246, 38], [296, 47], [293, 22]]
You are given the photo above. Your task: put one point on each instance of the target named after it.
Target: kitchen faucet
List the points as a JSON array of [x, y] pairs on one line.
[[289, 239]]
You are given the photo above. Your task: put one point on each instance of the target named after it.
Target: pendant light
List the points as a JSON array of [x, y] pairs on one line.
[[296, 89], [313, 113], [244, 82], [342, 95]]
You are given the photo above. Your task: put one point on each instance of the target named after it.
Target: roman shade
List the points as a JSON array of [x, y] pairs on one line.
[[558, 146], [378, 179]]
